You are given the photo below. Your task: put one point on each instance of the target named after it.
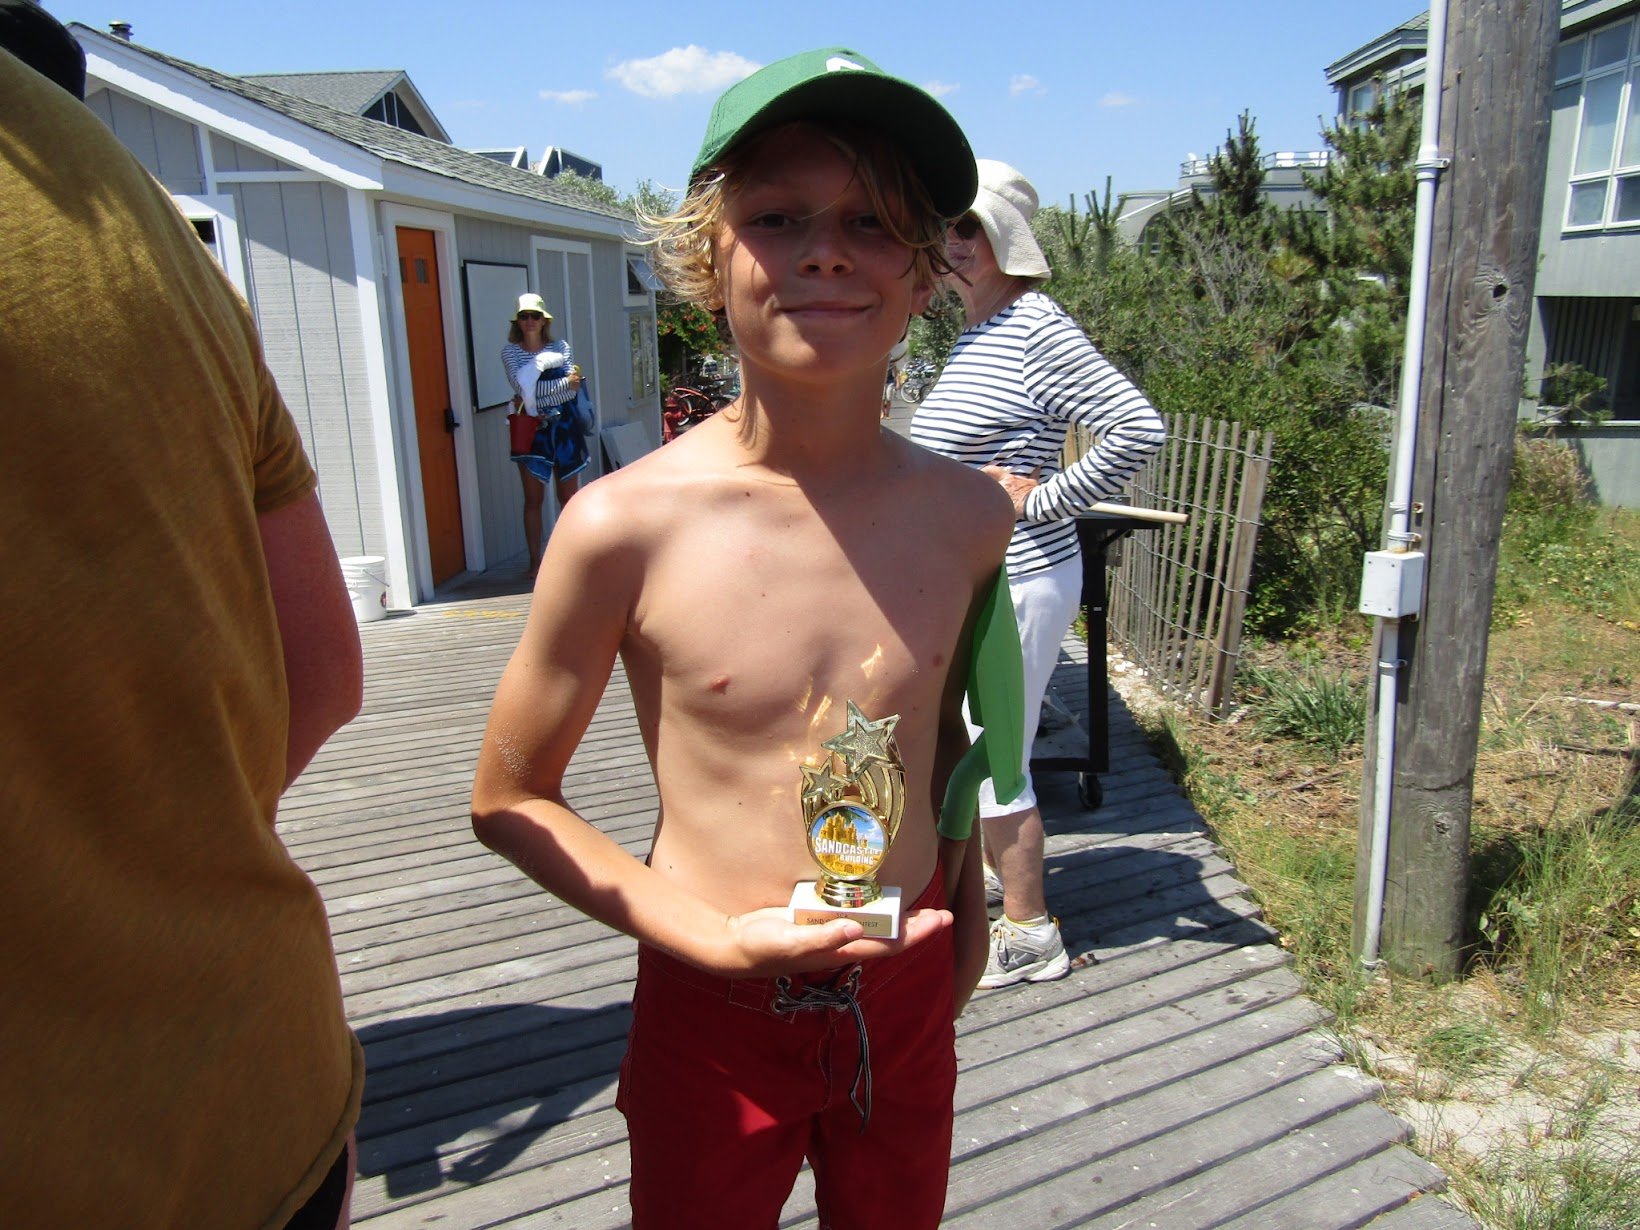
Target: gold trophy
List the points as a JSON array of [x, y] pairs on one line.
[[850, 822]]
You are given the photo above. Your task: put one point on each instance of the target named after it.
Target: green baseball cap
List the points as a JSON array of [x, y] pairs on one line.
[[835, 83]]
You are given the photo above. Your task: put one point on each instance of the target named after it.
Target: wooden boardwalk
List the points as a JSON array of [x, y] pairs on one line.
[[1175, 1079]]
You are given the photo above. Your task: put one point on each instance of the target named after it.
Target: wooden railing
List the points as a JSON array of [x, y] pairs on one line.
[[1178, 594]]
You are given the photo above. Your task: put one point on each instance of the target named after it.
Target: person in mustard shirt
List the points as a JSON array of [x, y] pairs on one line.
[[178, 644]]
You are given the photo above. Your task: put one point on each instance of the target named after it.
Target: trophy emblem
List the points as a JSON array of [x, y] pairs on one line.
[[850, 821]]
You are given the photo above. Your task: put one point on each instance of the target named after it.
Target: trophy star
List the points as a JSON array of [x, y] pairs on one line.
[[821, 784], [864, 742]]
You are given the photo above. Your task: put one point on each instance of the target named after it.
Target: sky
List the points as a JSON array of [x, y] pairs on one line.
[[1069, 93]]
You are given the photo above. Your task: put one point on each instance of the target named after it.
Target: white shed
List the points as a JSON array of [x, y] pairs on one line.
[[382, 265]]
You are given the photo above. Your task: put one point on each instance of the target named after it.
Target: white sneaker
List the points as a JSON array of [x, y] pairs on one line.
[[993, 885], [1024, 954]]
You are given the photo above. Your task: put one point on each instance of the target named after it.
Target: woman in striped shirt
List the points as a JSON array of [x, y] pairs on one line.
[[544, 378], [1017, 380]]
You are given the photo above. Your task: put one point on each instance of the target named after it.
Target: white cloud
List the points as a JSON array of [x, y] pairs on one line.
[[572, 98], [1024, 83], [940, 89], [1117, 99], [683, 70]]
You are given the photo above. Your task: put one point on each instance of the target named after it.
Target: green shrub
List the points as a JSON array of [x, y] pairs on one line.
[[1558, 545], [1593, 1186], [1567, 914], [1546, 479], [1313, 706], [1460, 1049], [1571, 395]]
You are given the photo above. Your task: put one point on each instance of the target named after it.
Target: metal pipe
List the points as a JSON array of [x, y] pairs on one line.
[[1400, 536]]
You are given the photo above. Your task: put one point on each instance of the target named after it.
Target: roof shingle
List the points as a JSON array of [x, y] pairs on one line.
[[351, 91], [384, 140]]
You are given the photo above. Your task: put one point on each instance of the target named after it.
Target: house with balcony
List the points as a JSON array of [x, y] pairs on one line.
[[382, 265], [1284, 187], [1587, 294]]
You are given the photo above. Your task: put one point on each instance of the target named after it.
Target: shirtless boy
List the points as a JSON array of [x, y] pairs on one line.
[[785, 557]]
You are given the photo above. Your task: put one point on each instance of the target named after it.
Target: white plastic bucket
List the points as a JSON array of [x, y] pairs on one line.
[[366, 580]]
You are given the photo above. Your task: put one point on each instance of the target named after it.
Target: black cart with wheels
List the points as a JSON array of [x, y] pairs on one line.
[[1097, 532]]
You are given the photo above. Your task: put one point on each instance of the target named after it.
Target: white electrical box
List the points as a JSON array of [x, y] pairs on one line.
[[1392, 584]]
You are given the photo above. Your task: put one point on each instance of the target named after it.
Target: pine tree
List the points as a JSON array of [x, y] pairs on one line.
[[1075, 242], [1367, 190], [1238, 174], [1363, 249]]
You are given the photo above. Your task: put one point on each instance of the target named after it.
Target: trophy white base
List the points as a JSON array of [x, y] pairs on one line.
[[881, 918]]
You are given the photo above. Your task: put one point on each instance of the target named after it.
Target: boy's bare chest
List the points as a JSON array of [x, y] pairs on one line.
[[769, 619]]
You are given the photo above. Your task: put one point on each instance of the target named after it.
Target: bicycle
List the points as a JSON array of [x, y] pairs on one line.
[[917, 379], [684, 408]]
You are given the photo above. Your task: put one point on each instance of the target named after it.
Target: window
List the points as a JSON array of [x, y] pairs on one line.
[[556, 160], [640, 280], [1362, 99], [1600, 73], [212, 218], [641, 339], [390, 110]]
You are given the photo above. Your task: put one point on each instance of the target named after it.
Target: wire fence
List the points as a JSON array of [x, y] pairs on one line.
[[1178, 593]]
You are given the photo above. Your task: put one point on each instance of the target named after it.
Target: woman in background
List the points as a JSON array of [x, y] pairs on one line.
[[1020, 376], [544, 379]]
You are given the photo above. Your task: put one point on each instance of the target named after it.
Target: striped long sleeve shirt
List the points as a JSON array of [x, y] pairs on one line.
[[540, 377], [1009, 393]]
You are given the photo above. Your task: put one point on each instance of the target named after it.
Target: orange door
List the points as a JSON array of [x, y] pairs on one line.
[[430, 385]]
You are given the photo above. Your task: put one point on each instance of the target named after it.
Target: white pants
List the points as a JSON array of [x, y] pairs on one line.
[[1045, 604]]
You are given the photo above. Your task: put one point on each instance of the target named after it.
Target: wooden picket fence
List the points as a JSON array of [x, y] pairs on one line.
[[1178, 593]]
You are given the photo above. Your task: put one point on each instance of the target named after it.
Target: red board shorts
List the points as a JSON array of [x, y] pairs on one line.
[[727, 1087]]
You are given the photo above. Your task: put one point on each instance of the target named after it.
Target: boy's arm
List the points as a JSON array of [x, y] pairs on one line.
[[542, 707]]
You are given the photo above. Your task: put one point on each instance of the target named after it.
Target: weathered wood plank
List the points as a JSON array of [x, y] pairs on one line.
[[1068, 1178], [1424, 1213], [1363, 1191], [1286, 1164]]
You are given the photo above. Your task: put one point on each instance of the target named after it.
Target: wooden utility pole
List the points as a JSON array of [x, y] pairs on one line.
[[1494, 128]]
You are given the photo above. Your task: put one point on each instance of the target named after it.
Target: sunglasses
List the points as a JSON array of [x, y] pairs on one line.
[[964, 228], [530, 316]]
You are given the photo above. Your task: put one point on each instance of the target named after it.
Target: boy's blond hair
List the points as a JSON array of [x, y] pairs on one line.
[[685, 240]]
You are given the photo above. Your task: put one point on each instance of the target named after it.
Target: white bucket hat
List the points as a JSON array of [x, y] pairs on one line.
[[532, 303], [1004, 206]]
